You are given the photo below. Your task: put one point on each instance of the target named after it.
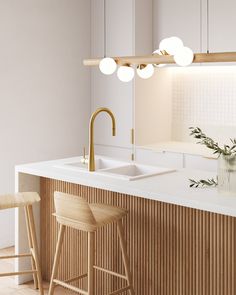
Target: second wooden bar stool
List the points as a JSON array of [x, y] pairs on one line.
[[75, 212], [25, 200]]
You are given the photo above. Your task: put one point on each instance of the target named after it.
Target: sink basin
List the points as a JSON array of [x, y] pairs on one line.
[[101, 163], [115, 168], [136, 171]]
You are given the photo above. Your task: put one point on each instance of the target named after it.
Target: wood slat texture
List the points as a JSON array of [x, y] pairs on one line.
[[173, 250]]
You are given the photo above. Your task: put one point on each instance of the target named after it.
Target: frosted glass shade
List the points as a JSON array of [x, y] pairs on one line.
[[146, 71], [184, 57], [107, 66], [171, 45], [125, 73]]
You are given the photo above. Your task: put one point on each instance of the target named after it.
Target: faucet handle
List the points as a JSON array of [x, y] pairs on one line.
[[84, 160]]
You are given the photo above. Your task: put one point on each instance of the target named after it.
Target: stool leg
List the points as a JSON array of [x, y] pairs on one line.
[[35, 247], [57, 258], [91, 250], [125, 256], [31, 247]]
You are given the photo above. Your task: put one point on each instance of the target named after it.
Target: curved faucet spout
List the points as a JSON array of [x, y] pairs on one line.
[[91, 134]]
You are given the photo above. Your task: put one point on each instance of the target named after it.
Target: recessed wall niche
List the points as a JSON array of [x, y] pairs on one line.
[[176, 98]]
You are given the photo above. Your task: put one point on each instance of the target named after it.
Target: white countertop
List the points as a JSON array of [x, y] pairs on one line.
[[170, 188]]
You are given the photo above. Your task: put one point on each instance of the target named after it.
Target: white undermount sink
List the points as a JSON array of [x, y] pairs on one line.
[[101, 163], [136, 171], [116, 169]]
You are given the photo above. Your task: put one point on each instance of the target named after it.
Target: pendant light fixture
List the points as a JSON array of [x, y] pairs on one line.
[[169, 47], [171, 51], [107, 65], [172, 46]]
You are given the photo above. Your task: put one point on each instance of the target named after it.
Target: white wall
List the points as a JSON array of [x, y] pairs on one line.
[[44, 89]]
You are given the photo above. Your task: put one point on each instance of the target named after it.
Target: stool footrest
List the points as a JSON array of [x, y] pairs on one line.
[[72, 288], [110, 272], [25, 272], [16, 256], [76, 278], [120, 290]]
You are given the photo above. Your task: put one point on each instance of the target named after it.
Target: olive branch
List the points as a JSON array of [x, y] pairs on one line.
[[226, 150], [202, 182]]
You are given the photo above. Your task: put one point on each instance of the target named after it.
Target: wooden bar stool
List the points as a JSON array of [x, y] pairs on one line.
[[25, 200], [75, 212]]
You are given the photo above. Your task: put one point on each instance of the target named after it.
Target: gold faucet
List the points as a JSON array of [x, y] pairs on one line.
[[91, 134]]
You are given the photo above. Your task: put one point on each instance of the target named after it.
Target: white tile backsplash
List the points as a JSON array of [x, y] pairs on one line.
[[206, 97]]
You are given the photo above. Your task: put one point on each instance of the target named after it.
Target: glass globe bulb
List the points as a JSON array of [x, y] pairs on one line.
[[163, 45], [125, 73], [145, 72], [184, 57], [107, 66], [171, 45]]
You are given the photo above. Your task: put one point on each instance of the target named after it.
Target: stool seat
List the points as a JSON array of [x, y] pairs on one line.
[[18, 200], [76, 212], [105, 214], [102, 214]]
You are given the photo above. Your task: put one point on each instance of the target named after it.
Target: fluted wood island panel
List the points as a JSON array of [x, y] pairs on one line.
[[173, 250]]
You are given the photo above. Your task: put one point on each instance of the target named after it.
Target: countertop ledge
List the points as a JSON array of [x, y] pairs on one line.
[[172, 188]]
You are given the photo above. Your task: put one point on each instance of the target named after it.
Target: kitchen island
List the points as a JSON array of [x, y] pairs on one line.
[[180, 240]]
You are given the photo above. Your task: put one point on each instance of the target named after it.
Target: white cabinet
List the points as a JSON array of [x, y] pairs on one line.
[[201, 24], [222, 23], [180, 18], [175, 160], [200, 163], [129, 32], [108, 91]]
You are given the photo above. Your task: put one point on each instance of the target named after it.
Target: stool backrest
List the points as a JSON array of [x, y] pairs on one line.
[[73, 207]]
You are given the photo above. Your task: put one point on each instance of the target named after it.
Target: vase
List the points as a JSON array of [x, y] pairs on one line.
[[227, 175]]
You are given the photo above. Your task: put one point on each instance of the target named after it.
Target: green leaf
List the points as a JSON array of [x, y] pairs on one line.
[[227, 150], [203, 182]]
